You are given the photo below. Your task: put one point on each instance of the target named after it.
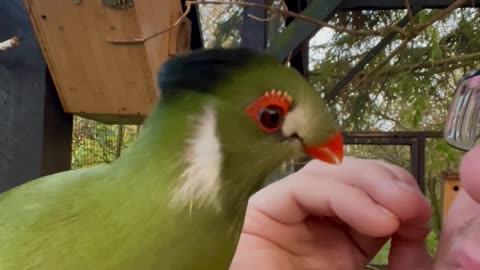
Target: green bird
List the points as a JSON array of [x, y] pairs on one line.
[[176, 199]]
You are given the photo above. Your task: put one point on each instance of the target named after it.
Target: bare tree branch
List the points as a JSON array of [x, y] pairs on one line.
[[283, 4], [260, 19], [283, 12], [286, 13], [410, 13], [141, 40], [9, 43]]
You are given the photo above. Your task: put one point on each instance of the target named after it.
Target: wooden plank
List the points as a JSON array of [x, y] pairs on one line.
[[181, 36], [92, 75], [154, 16], [451, 187]]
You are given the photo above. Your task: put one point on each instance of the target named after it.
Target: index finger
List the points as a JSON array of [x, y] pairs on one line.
[[389, 185], [293, 199]]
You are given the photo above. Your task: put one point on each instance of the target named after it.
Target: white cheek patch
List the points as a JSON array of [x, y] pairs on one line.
[[200, 182], [295, 122]]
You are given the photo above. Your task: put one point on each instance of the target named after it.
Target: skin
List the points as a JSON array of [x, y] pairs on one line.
[[460, 239], [321, 213]]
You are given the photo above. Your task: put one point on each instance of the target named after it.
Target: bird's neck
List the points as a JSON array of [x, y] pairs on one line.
[[165, 175], [182, 155]]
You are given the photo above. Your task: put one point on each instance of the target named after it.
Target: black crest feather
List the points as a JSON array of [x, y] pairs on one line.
[[201, 70]]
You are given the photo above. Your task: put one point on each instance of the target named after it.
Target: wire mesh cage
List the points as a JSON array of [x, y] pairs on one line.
[[96, 143]]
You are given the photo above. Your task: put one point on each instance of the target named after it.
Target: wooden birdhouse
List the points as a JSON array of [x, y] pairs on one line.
[[104, 55], [451, 186]]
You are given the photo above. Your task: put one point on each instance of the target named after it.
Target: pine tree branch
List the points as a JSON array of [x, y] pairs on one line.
[[394, 69], [369, 74], [451, 63], [414, 33], [386, 117]]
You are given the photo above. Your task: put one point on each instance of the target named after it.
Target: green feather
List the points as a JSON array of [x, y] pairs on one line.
[[121, 216]]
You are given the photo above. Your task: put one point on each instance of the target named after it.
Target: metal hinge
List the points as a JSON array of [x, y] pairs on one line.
[[118, 3]]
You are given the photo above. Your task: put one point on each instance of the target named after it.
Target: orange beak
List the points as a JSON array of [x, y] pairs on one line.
[[330, 152]]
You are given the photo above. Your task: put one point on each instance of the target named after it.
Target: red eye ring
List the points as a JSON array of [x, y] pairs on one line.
[[269, 110]]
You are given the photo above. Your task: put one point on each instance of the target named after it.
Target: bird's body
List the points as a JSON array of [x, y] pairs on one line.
[[175, 200], [99, 215]]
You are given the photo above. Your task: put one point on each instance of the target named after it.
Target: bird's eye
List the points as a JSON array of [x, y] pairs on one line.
[[269, 110], [271, 117]]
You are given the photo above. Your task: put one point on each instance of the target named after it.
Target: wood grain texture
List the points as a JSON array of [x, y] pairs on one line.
[[95, 77]]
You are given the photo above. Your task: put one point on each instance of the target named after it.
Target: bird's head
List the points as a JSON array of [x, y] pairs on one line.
[[255, 113]]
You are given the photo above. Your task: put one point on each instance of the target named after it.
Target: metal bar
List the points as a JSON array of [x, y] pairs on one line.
[[399, 4], [404, 134], [254, 32], [416, 140], [57, 133], [378, 141], [299, 60], [330, 96], [421, 162], [299, 31], [414, 164], [196, 37]]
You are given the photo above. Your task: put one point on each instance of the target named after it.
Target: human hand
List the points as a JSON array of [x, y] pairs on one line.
[[460, 238], [335, 217]]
